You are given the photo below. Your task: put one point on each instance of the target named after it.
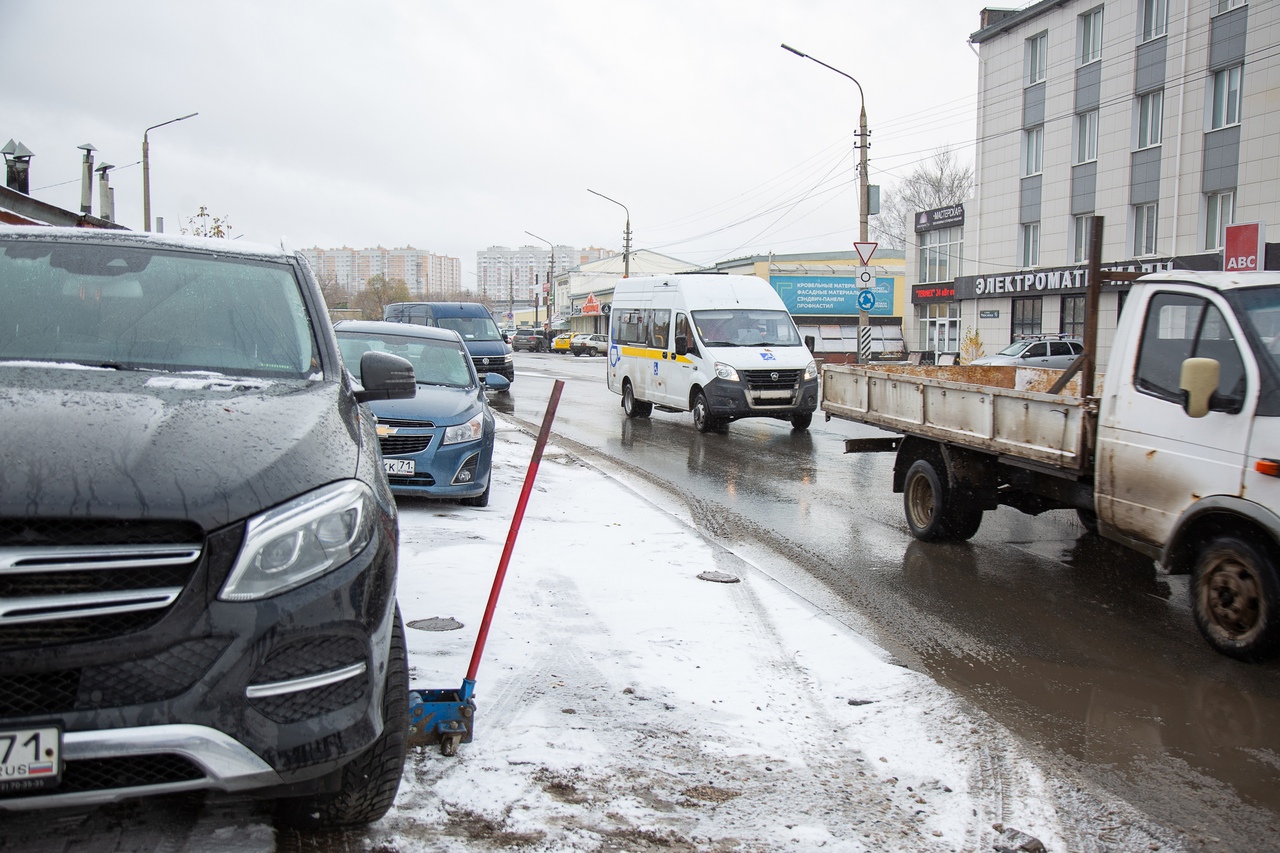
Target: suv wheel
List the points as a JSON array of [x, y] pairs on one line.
[[369, 783]]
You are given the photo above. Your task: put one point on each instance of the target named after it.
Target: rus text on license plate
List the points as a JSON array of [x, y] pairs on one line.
[[30, 759], [398, 467]]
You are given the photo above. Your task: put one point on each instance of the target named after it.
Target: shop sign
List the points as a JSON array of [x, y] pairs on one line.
[[933, 292], [833, 295], [1056, 280], [941, 217]]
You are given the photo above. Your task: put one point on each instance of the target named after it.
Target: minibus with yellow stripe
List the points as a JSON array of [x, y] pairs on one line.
[[720, 346]]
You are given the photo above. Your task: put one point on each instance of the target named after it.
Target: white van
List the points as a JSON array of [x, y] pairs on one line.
[[721, 346]]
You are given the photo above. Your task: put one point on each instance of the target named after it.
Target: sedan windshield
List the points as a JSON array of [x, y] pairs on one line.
[[434, 362], [127, 307], [746, 328]]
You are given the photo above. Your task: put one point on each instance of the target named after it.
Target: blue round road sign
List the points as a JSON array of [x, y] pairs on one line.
[[866, 300]]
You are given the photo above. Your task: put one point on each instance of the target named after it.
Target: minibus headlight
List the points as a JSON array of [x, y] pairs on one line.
[[811, 372], [725, 372]]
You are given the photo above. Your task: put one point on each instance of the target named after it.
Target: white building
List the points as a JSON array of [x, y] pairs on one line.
[[428, 275], [512, 276], [1161, 116]]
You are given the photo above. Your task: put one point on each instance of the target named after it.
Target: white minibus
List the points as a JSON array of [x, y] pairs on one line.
[[720, 346]]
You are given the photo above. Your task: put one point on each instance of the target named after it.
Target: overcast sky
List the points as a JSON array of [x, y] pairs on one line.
[[453, 125]]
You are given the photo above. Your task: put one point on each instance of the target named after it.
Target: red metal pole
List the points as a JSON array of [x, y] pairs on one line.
[[515, 529]]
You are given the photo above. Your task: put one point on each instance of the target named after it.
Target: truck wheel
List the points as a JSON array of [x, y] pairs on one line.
[[931, 513], [801, 420], [370, 782], [1234, 598], [633, 407], [702, 418]]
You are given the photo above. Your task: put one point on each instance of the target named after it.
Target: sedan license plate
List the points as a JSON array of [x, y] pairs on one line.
[[398, 467], [30, 759]]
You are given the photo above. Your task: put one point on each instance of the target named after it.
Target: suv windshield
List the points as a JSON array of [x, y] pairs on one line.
[[133, 308], [746, 328], [471, 328]]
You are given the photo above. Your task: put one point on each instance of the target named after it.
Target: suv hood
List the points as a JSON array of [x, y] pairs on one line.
[[87, 442]]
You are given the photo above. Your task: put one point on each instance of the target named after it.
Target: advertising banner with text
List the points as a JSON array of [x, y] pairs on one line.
[[832, 295]]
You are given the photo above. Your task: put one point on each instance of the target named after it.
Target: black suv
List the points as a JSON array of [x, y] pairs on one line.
[[529, 340], [197, 543]]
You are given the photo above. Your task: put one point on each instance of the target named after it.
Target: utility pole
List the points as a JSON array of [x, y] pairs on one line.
[[626, 235], [551, 265]]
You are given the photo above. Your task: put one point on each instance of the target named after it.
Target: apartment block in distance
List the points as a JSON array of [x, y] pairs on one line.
[[428, 275]]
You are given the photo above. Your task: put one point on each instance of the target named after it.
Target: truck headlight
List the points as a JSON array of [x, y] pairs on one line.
[[301, 540], [726, 372], [472, 430], [811, 372]]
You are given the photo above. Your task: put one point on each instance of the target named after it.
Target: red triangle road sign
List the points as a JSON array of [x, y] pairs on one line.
[[865, 251]]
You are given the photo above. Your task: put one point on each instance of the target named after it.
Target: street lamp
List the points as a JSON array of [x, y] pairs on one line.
[[864, 202], [146, 169], [626, 244], [551, 265]]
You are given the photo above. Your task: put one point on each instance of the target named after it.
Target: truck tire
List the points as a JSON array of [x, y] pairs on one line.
[[932, 513], [634, 408], [801, 420], [1235, 596]]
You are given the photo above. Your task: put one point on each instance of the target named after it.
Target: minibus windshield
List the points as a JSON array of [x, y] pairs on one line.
[[746, 328]]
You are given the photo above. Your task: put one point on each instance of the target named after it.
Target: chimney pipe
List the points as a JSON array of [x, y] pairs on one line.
[[17, 161], [106, 206], [86, 179]]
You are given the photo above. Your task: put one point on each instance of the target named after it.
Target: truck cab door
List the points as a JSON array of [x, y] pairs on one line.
[[1153, 459]]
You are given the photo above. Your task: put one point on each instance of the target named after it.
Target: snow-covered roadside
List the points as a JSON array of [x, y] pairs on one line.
[[625, 703]]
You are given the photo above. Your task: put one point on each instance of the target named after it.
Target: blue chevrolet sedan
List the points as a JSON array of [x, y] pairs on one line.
[[439, 444]]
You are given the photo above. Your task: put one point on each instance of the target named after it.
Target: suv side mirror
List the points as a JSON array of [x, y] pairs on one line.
[[1198, 381], [385, 377]]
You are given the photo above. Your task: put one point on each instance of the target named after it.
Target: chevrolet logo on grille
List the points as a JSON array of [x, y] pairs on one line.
[[384, 431]]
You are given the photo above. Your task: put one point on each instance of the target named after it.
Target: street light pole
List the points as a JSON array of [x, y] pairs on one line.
[[626, 244], [146, 169], [865, 193], [551, 266], [864, 200]]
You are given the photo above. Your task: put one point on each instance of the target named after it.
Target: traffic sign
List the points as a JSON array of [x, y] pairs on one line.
[[865, 251], [866, 300]]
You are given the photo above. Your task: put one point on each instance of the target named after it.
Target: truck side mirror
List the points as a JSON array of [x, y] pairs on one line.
[[1198, 381], [682, 345]]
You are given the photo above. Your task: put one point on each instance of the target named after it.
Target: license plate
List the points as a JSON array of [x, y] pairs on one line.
[[398, 467], [30, 759]]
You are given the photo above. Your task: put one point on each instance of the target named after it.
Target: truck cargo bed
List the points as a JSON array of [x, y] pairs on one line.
[[993, 409]]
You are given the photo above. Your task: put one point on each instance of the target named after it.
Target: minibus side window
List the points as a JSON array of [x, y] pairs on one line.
[[628, 326], [659, 328]]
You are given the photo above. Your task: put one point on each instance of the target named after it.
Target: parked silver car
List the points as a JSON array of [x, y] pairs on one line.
[[1055, 352]]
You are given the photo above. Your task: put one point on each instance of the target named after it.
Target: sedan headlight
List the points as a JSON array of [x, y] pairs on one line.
[[726, 372], [472, 430], [811, 372], [301, 540]]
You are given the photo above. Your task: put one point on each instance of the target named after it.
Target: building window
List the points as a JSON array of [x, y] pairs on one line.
[[939, 326], [1226, 5], [1155, 18], [1080, 227], [1032, 151], [1087, 137], [1026, 317], [1144, 229], [940, 253], [1037, 45], [1029, 251], [1225, 92], [1220, 211], [1071, 322], [1091, 36], [1150, 119]]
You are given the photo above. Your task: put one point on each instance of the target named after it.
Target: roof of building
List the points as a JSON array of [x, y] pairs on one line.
[[997, 21]]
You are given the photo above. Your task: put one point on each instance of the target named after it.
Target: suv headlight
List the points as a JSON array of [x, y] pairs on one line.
[[472, 430], [811, 372], [726, 372], [301, 540]]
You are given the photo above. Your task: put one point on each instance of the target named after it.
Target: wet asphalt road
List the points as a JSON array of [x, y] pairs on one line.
[[1078, 646]]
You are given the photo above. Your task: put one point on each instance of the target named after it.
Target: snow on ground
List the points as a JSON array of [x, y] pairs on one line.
[[623, 703]]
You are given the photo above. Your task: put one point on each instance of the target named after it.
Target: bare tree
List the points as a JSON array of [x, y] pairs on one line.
[[205, 224], [937, 182], [335, 295], [378, 293]]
